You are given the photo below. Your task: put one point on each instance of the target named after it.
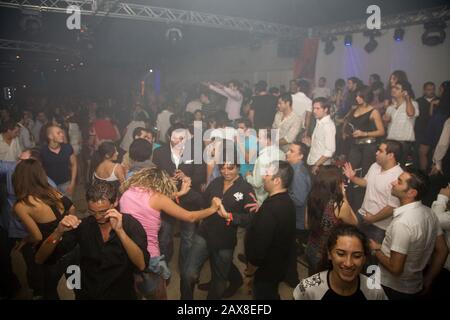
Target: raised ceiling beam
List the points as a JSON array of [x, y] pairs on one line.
[[158, 14]]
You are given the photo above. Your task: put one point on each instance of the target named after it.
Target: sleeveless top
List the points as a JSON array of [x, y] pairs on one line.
[[318, 237], [362, 122], [47, 228], [135, 202], [112, 177]]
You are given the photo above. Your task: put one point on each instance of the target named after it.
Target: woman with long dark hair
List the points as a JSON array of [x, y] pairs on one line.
[[40, 207], [104, 164], [327, 207], [363, 125], [344, 257]]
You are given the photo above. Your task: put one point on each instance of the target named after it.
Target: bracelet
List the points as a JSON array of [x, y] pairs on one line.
[[52, 240], [230, 218]]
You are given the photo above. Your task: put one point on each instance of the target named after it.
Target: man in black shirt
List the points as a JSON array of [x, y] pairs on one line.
[[271, 234], [177, 159], [264, 106], [112, 246], [59, 161]]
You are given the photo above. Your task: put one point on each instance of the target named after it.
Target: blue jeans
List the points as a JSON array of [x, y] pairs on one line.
[[166, 239], [220, 260], [63, 189]]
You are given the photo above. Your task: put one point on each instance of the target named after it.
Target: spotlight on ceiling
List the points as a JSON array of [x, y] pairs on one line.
[[329, 44], [399, 33], [348, 40], [31, 21], [174, 35], [372, 44], [434, 33]]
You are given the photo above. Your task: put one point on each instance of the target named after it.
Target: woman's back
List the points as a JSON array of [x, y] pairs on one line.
[[136, 202], [106, 171]]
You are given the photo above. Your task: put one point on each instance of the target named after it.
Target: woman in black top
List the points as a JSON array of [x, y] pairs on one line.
[[363, 125], [216, 235], [40, 207]]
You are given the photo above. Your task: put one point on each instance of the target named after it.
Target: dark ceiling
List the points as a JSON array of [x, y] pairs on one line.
[[130, 41]]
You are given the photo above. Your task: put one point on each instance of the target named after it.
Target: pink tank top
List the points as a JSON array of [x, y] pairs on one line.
[[135, 202]]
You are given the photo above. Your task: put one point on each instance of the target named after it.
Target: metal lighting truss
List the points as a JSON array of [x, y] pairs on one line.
[[441, 13], [158, 14], [35, 47]]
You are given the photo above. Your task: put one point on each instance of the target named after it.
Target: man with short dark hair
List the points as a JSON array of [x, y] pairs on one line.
[[113, 246], [286, 121], [323, 140], [376, 210], [302, 104], [177, 159], [321, 91], [401, 116], [263, 106], [271, 235], [413, 240], [10, 147]]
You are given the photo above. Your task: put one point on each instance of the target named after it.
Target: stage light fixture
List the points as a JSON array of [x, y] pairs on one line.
[[434, 33], [372, 44], [399, 33], [329, 44], [348, 39], [174, 35]]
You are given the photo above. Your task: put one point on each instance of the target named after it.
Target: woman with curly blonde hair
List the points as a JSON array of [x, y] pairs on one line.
[[144, 195]]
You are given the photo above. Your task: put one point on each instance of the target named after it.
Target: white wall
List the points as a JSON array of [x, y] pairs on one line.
[[238, 62], [421, 63]]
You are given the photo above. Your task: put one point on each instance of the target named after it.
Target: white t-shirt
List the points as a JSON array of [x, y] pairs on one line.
[[193, 106], [163, 124], [323, 141], [378, 191], [301, 104], [401, 127], [10, 152], [413, 232], [321, 92], [316, 287]]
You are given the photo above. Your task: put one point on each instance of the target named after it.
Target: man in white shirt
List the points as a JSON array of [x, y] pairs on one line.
[[401, 117], [268, 153], [233, 95], [413, 240], [163, 123], [197, 104], [302, 105], [441, 148], [378, 205], [442, 211], [41, 120], [323, 140], [10, 147], [286, 121], [321, 91]]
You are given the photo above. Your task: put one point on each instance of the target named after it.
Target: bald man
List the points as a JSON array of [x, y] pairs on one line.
[[59, 161]]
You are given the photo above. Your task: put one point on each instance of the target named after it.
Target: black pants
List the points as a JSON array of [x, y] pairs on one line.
[[407, 152], [265, 290], [396, 295], [362, 156], [8, 280]]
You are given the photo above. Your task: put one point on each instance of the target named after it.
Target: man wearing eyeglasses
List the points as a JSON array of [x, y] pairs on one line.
[[112, 246]]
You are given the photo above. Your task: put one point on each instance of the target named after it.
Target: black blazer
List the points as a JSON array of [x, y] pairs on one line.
[[197, 172]]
